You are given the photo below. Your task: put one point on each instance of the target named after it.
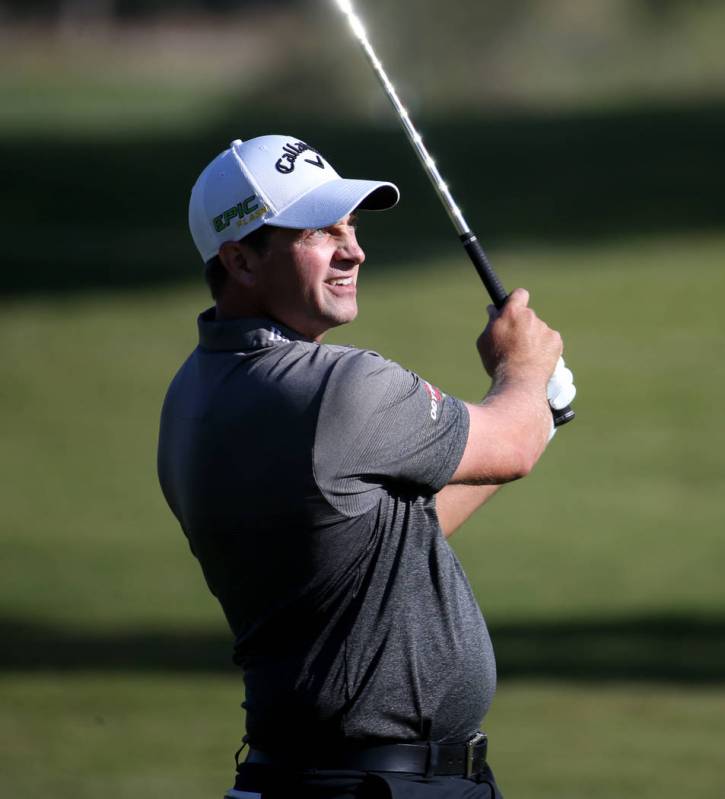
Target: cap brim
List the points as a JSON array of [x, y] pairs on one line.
[[327, 204]]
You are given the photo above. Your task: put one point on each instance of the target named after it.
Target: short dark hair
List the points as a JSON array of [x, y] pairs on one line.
[[216, 276], [215, 272]]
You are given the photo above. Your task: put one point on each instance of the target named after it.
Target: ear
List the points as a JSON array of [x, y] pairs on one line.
[[240, 263]]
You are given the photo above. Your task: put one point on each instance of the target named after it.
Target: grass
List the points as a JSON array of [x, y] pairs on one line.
[[621, 517], [601, 570], [587, 741], [119, 735], [583, 569]]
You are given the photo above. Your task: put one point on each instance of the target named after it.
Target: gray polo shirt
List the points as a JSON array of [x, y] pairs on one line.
[[304, 476]]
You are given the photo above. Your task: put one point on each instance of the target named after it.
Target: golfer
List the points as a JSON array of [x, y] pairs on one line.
[[317, 485]]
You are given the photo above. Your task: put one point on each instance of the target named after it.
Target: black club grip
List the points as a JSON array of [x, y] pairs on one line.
[[498, 295], [493, 285]]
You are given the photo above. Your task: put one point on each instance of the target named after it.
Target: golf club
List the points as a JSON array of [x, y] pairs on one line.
[[469, 239]]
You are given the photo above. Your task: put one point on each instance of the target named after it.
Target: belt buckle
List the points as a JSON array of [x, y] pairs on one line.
[[478, 738]]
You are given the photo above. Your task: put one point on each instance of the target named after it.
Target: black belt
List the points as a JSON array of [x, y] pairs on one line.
[[424, 758]]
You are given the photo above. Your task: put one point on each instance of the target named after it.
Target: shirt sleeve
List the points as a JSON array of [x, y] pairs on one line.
[[379, 426]]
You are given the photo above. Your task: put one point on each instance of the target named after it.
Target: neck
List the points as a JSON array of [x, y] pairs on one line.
[[225, 313], [237, 306]]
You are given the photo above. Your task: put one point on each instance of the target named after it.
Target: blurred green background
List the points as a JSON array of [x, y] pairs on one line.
[[584, 141]]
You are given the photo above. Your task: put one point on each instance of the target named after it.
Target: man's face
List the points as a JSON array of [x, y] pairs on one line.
[[308, 279]]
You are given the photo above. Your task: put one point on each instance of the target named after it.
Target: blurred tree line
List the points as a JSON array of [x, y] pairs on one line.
[[494, 10], [554, 119], [108, 10]]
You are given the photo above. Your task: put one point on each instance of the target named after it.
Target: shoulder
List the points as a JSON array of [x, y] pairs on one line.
[[359, 362], [317, 364], [356, 374]]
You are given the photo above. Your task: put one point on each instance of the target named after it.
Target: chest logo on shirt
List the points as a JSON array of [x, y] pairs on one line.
[[436, 399]]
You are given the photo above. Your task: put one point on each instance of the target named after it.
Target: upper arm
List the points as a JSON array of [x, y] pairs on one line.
[[381, 425]]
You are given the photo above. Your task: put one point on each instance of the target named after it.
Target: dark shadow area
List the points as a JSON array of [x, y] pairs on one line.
[[75, 214], [661, 648]]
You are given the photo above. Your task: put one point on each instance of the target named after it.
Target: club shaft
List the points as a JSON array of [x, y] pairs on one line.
[[470, 242], [416, 140]]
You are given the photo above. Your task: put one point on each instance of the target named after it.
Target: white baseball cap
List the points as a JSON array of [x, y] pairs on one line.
[[274, 180]]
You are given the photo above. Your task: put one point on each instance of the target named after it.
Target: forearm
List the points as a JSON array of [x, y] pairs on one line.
[[508, 432], [456, 503]]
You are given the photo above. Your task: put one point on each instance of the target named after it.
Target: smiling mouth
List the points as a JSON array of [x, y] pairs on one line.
[[341, 281]]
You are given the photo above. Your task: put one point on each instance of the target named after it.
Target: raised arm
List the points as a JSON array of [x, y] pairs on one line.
[[510, 428]]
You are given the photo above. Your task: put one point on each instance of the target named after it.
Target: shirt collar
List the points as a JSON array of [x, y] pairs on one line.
[[235, 335]]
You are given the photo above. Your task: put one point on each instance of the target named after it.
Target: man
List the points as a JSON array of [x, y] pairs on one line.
[[317, 485]]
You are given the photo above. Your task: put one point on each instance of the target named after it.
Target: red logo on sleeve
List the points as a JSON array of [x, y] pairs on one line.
[[436, 399]]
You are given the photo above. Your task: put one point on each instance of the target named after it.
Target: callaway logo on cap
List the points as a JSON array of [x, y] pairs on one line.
[[274, 180]]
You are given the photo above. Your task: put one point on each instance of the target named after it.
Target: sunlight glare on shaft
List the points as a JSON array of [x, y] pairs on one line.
[[355, 22]]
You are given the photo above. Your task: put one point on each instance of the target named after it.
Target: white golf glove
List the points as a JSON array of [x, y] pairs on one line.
[[560, 390]]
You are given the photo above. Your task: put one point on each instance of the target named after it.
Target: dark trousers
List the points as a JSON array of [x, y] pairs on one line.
[[273, 783]]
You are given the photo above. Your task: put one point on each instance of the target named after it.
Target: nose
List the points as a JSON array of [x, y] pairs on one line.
[[349, 250]]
